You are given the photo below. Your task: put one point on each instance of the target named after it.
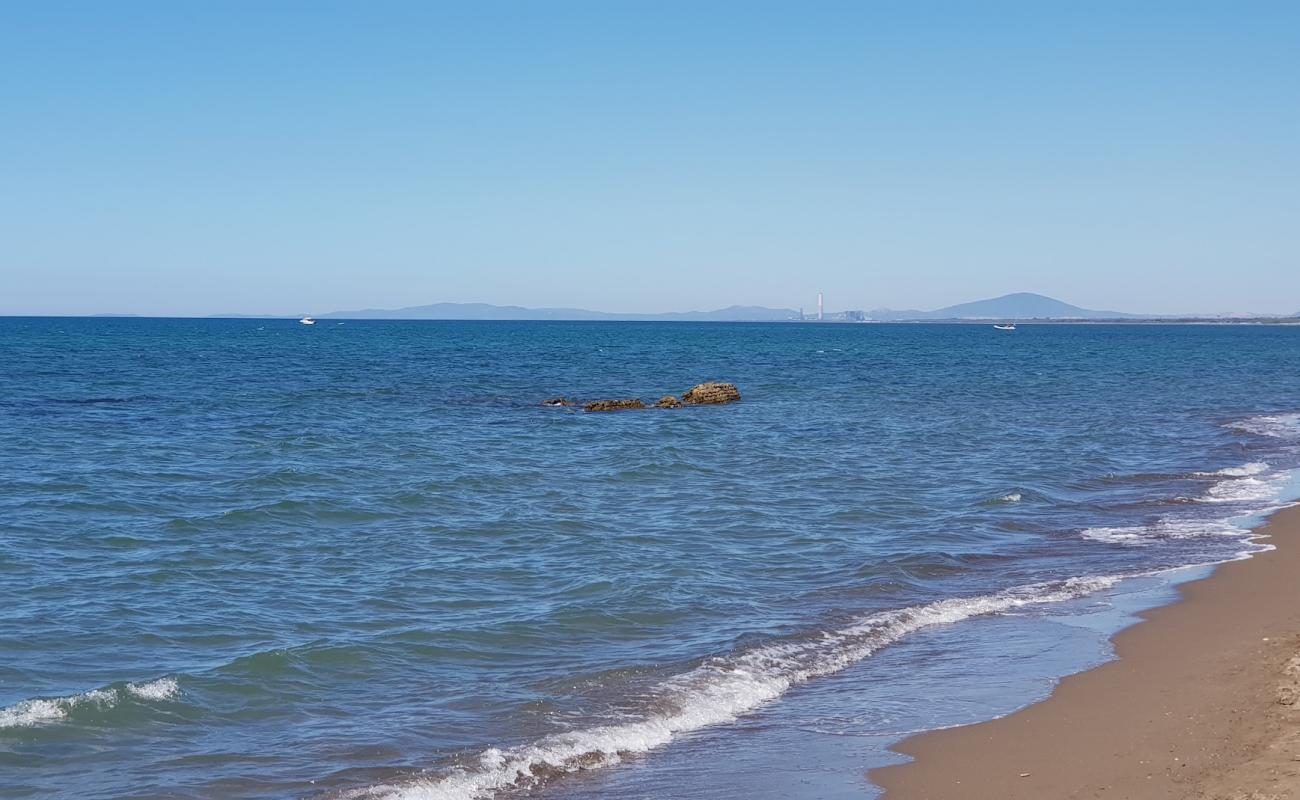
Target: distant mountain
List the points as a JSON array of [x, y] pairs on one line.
[[485, 311], [1021, 305]]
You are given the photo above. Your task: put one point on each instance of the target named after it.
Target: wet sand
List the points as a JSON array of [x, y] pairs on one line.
[[1201, 704]]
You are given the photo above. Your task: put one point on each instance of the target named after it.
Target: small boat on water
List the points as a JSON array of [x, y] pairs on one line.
[[1010, 326], [307, 321]]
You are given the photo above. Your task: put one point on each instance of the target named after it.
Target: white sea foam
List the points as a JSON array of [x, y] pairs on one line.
[[1278, 426], [1244, 484], [716, 692], [1244, 471], [31, 712], [43, 711], [1252, 488], [1126, 534], [1164, 529], [1013, 497], [1243, 490], [161, 689]]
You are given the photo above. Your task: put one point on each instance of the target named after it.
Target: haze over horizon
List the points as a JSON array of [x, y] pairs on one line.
[[308, 158], [1013, 306]]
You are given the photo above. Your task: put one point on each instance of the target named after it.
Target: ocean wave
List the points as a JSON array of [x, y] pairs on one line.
[[1251, 488], [161, 689], [1018, 495], [1164, 529], [1244, 471], [43, 711], [1248, 483], [1277, 426], [718, 691], [1243, 490]]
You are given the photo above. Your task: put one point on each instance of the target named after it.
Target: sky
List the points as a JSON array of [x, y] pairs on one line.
[[187, 158]]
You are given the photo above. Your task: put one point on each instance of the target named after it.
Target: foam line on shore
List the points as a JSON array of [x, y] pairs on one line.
[[1163, 529], [717, 691], [724, 688], [1222, 655], [1244, 487], [1245, 470]]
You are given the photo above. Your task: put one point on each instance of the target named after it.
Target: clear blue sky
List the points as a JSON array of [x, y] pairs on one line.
[[301, 157]]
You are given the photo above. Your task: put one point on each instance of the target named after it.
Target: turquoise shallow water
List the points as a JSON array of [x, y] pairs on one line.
[[250, 558]]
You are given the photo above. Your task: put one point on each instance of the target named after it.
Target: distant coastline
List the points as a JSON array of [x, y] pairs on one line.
[[1023, 307], [1018, 306], [1261, 320]]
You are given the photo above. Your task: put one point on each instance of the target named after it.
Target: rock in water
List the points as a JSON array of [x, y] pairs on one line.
[[613, 405], [711, 393], [668, 401], [558, 401]]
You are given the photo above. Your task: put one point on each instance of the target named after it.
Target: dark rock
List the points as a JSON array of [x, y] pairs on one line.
[[613, 405], [668, 401], [712, 393], [559, 401]]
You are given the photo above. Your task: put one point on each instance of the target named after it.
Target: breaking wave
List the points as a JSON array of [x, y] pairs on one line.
[[1244, 471], [717, 691], [1244, 484], [44, 711], [1164, 529], [1277, 426], [1243, 490], [1251, 488]]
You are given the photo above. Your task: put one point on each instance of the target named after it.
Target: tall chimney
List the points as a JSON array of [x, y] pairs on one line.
[[819, 307]]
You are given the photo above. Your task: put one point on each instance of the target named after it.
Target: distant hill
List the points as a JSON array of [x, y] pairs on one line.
[[1021, 305], [486, 311]]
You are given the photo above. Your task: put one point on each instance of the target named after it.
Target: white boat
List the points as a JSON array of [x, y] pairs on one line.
[[1010, 326], [307, 321]]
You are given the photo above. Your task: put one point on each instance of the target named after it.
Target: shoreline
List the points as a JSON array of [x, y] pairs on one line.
[[1199, 702]]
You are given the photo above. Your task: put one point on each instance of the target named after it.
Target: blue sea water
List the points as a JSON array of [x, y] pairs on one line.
[[252, 558]]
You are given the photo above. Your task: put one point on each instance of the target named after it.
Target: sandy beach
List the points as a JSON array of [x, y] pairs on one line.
[[1200, 703]]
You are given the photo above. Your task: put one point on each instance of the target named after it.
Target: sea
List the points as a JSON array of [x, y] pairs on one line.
[[361, 560]]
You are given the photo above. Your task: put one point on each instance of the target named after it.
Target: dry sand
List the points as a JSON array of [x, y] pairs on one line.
[[1202, 704]]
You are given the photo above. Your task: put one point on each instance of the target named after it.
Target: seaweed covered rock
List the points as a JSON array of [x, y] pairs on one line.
[[613, 405], [668, 401], [711, 394]]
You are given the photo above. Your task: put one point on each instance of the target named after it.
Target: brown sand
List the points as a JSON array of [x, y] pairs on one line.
[[1201, 704]]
